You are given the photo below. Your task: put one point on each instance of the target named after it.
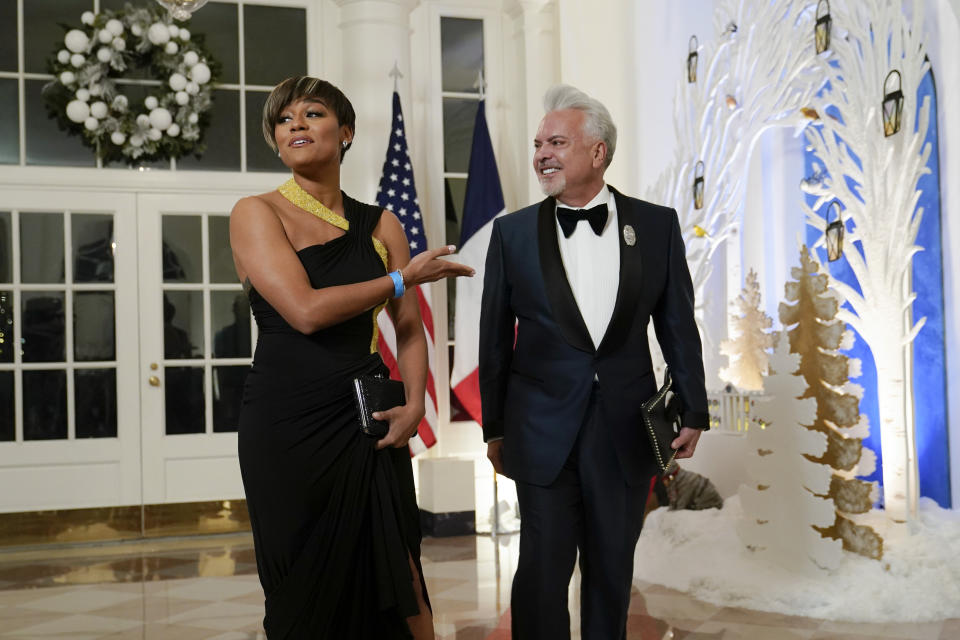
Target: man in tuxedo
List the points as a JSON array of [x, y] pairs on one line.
[[570, 285]]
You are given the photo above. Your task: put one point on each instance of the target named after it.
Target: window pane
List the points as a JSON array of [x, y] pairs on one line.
[[182, 249], [42, 33], [227, 393], [9, 121], [459, 115], [455, 191], [216, 25], [275, 44], [6, 326], [95, 398], [461, 52], [222, 137], [7, 407], [230, 313], [184, 400], [92, 248], [221, 257], [260, 157], [46, 143], [8, 35], [182, 324], [41, 248], [94, 336], [6, 247], [45, 405], [43, 337]]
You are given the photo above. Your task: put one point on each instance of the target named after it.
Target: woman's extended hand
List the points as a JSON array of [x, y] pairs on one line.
[[429, 267], [403, 421]]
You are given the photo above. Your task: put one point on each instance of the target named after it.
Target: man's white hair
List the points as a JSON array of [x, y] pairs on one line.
[[597, 123]]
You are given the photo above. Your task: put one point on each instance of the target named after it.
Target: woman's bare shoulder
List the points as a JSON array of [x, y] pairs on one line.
[[258, 205]]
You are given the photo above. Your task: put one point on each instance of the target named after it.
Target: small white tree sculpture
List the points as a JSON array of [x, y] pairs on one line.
[[784, 505], [747, 348]]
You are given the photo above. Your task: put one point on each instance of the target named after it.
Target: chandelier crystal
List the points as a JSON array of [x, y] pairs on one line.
[[181, 9]]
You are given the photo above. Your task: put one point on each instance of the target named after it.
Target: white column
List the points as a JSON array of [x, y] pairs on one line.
[[598, 56], [539, 69], [374, 34]]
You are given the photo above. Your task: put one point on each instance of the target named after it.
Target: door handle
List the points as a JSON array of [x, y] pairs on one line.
[[154, 381]]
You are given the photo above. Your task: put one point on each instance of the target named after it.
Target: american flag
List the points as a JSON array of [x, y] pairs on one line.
[[398, 193]]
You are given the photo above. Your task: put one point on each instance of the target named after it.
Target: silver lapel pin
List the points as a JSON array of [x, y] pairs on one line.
[[629, 235]]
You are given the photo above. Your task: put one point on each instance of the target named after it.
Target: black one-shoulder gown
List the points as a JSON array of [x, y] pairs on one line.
[[333, 519]]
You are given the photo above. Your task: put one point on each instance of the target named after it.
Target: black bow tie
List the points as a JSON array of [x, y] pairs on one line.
[[568, 218]]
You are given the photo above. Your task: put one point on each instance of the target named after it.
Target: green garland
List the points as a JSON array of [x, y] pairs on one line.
[[86, 98]]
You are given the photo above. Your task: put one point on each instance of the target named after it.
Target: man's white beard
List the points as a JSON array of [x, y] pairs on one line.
[[553, 187]]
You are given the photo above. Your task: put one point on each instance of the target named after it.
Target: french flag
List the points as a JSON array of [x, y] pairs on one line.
[[483, 202]]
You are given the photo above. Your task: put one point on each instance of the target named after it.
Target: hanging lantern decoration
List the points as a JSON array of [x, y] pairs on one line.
[[698, 185], [834, 233], [822, 29], [892, 104], [692, 60]]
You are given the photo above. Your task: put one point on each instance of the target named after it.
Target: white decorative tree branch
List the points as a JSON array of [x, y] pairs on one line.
[[875, 178]]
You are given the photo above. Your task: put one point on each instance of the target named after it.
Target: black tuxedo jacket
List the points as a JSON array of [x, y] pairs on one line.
[[537, 360]]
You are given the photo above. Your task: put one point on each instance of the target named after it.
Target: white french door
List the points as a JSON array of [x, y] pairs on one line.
[[69, 398], [124, 343], [197, 347]]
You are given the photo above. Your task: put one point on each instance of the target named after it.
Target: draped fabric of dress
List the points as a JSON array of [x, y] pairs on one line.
[[333, 519]]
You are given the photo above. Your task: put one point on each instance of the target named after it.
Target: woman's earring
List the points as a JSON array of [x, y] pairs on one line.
[[345, 143]]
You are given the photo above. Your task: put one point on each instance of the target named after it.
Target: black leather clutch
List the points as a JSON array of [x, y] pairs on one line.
[[373, 393], [661, 417]]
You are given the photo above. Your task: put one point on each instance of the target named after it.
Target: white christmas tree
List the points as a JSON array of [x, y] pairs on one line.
[[785, 503], [760, 72], [747, 348], [870, 163], [815, 334]]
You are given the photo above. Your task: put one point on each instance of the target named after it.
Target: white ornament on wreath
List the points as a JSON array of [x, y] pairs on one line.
[[92, 57]]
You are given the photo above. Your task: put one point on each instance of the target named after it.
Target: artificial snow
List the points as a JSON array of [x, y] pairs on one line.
[[917, 580]]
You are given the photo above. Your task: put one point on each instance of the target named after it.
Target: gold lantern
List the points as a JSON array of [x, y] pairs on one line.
[[892, 104], [821, 31], [692, 60], [834, 233], [698, 185]]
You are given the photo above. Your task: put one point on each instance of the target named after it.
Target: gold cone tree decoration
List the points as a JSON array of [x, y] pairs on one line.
[[815, 334]]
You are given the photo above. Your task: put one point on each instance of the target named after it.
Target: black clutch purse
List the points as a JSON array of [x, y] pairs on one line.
[[661, 417], [373, 393]]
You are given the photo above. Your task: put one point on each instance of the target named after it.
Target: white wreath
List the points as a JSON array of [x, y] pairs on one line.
[[87, 100]]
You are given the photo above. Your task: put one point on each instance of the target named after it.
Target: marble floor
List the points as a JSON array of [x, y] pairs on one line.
[[193, 588]]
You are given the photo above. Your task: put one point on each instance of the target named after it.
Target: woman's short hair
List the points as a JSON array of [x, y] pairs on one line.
[[299, 88], [597, 123]]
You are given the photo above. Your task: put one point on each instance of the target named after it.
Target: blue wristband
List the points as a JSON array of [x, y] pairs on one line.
[[398, 287]]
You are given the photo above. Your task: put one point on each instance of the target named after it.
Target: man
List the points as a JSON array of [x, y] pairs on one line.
[[565, 366]]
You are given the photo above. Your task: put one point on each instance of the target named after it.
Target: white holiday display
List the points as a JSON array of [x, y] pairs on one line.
[[871, 156], [759, 73], [169, 123], [815, 334], [747, 348], [784, 505]]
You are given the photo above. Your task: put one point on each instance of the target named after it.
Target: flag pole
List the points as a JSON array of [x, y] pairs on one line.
[[396, 75]]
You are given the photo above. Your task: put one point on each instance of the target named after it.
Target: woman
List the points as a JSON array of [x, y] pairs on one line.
[[334, 516]]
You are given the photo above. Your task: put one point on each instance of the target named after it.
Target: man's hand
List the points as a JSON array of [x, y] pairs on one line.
[[685, 443], [403, 420], [495, 455]]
